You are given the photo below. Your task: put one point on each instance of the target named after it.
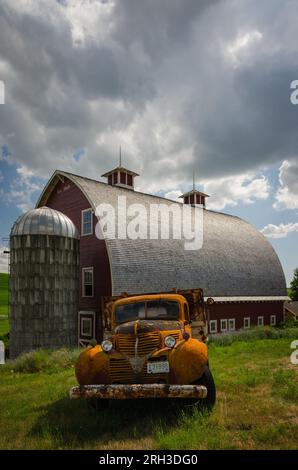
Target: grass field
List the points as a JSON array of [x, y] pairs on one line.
[[4, 327], [257, 408], [3, 294]]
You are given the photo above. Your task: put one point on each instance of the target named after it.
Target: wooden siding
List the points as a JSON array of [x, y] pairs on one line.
[[67, 198], [241, 310]]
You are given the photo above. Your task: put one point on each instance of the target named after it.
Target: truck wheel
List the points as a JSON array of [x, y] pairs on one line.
[[207, 380]]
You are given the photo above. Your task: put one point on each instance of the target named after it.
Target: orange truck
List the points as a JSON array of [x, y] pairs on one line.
[[154, 347]]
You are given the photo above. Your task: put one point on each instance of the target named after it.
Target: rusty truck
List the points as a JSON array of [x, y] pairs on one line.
[[154, 345]]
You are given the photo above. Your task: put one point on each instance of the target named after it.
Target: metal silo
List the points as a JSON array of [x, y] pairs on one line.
[[44, 281]]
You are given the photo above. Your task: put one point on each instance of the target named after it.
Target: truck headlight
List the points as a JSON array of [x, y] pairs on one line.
[[107, 345], [170, 341]]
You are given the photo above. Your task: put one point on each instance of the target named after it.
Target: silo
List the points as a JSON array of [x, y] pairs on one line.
[[44, 281]]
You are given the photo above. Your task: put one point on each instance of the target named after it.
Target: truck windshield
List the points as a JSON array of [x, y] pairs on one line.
[[149, 310]]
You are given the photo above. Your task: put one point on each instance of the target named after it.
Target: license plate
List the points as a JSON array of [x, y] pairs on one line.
[[158, 367]]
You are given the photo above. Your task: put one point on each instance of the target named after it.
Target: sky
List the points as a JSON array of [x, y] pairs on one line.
[[181, 85]]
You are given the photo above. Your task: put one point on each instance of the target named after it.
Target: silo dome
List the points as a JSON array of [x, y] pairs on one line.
[[44, 281], [45, 221]]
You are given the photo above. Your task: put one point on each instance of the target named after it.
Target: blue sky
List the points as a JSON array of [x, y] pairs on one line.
[[181, 85]]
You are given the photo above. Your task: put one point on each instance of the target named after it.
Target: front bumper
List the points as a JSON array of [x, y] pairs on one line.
[[135, 391]]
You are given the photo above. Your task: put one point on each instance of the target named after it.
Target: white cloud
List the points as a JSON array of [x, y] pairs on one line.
[[229, 191], [174, 195], [235, 189], [287, 194], [242, 42], [279, 231], [96, 74]]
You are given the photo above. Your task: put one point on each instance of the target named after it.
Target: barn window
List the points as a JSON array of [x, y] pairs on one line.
[[213, 326], [260, 321], [231, 324], [246, 322], [272, 320], [223, 325], [87, 278], [86, 326], [87, 222]]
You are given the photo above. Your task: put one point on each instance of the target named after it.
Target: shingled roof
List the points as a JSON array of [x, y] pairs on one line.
[[236, 260]]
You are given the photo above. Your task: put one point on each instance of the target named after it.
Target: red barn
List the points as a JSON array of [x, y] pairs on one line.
[[236, 265]]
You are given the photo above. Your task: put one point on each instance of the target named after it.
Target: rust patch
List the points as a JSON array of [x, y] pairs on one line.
[[136, 391]]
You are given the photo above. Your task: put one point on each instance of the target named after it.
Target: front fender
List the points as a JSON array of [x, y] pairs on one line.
[[187, 361], [92, 366]]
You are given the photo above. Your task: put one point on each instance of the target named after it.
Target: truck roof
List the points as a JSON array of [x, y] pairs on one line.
[[145, 297]]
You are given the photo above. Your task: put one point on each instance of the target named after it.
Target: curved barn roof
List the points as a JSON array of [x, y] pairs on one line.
[[44, 221], [236, 260]]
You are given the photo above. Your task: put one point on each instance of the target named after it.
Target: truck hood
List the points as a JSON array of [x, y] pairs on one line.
[[145, 326]]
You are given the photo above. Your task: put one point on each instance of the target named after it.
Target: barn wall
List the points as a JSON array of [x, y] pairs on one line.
[[241, 310], [67, 198]]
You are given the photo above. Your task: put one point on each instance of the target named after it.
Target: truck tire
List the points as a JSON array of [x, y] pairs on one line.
[[207, 380]]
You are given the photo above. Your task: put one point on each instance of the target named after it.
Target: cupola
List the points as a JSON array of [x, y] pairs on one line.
[[194, 197], [121, 176]]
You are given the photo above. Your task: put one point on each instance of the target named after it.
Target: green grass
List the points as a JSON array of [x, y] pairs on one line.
[[288, 330], [257, 406], [43, 360], [4, 327], [3, 294]]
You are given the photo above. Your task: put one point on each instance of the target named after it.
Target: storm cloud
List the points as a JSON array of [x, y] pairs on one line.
[[180, 84]]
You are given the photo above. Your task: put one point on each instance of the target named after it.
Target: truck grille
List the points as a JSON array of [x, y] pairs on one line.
[[147, 343], [121, 371], [177, 336]]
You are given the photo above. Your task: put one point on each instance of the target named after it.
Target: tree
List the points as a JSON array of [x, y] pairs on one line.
[[294, 286]]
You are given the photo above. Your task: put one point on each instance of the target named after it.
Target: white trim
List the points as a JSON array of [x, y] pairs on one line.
[[213, 330], [233, 323], [272, 320], [90, 268], [83, 342], [82, 222], [247, 299], [221, 328], [248, 321], [122, 185], [262, 321]]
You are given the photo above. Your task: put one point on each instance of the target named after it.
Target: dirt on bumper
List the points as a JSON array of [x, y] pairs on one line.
[[135, 391]]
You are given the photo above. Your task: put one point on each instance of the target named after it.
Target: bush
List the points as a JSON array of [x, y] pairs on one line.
[[41, 359], [5, 339], [225, 339], [290, 322]]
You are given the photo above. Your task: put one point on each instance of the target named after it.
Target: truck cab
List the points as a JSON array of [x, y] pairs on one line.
[[149, 350]]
